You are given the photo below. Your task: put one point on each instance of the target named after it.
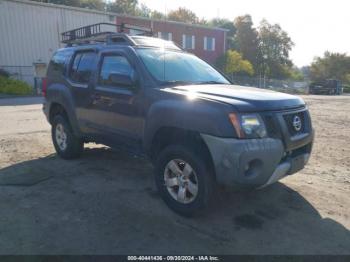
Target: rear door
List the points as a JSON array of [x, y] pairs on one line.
[[80, 78]]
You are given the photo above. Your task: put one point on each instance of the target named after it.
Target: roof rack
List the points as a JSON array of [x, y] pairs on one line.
[[103, 32]]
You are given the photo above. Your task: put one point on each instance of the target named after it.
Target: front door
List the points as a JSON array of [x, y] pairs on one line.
[[115, 112]]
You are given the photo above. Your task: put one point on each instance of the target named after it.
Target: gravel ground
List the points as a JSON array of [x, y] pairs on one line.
[[106, 202]]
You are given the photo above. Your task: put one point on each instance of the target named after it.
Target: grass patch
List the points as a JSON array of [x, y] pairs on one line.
[[11, 86], [346, 88]]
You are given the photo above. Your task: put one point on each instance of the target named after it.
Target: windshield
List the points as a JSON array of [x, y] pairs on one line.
[[177, 67]]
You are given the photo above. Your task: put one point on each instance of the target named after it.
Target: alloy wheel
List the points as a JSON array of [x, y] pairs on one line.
[[181, 181]]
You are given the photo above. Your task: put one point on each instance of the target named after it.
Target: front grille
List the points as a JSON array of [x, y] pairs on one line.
[[289, 118], [272, 126]]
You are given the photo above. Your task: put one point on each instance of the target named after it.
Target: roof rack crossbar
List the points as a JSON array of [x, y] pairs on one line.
[[97, 33]]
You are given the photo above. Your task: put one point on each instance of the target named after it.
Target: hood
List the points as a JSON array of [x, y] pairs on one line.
[[244, 99]]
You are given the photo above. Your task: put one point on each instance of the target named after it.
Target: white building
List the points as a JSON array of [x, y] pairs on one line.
[[30, 33]]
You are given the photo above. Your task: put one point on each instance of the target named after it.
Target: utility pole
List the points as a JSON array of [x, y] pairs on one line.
[[264, 69]]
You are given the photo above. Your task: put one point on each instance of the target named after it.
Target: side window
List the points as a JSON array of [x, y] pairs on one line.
[[58, 61], [82, 67], [114, 64]]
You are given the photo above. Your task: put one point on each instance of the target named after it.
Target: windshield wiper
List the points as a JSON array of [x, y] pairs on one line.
[[212, 82], [181, 82], [177, 82]]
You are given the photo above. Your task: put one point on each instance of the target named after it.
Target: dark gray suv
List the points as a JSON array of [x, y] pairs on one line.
[[149, 97]]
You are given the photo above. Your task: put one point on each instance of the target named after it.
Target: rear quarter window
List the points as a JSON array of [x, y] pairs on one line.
[[82, 67], [58, 62]]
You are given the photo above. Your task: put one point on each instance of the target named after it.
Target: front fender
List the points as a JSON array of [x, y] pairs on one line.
[[201, 116]]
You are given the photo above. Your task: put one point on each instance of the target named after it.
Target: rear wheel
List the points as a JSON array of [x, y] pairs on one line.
[[67, 145], [184, 180]]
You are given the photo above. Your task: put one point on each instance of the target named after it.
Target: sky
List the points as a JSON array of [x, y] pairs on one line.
[[315, 26]]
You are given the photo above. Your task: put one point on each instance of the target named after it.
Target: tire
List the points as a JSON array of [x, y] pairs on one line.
[[192, 201], [66, 144]]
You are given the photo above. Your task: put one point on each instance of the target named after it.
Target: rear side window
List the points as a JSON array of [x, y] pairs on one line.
[[114, 64], [58, 61], [82, 67]]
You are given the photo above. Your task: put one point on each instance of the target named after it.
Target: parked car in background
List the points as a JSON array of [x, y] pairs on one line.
[[327, 87]]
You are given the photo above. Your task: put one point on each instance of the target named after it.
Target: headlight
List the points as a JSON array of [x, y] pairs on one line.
[[248, 125]]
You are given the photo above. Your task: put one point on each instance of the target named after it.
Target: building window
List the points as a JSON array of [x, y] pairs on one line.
[[209, 43], [165, 35], [188, 41]]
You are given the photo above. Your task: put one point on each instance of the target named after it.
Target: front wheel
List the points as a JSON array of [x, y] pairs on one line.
[[67, 145], [184, 180]]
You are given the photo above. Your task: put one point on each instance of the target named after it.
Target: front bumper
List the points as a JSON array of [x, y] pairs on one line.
[[255, 162]]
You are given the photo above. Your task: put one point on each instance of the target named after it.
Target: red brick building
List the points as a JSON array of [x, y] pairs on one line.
[[206, 42]]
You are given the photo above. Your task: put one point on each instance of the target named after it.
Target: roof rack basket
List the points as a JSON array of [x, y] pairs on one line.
[[101, 32]]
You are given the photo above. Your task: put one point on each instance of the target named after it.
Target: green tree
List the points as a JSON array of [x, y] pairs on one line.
[[296, 74], [246, 39], [93, 4], [347, 79], [90, 4], [158, 15], [305, 70], [203, 21], [143, 11], [275, 45], [183, 15], [75, 3], [232, 63], [128, 7], [227, 24], [331, 65]]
